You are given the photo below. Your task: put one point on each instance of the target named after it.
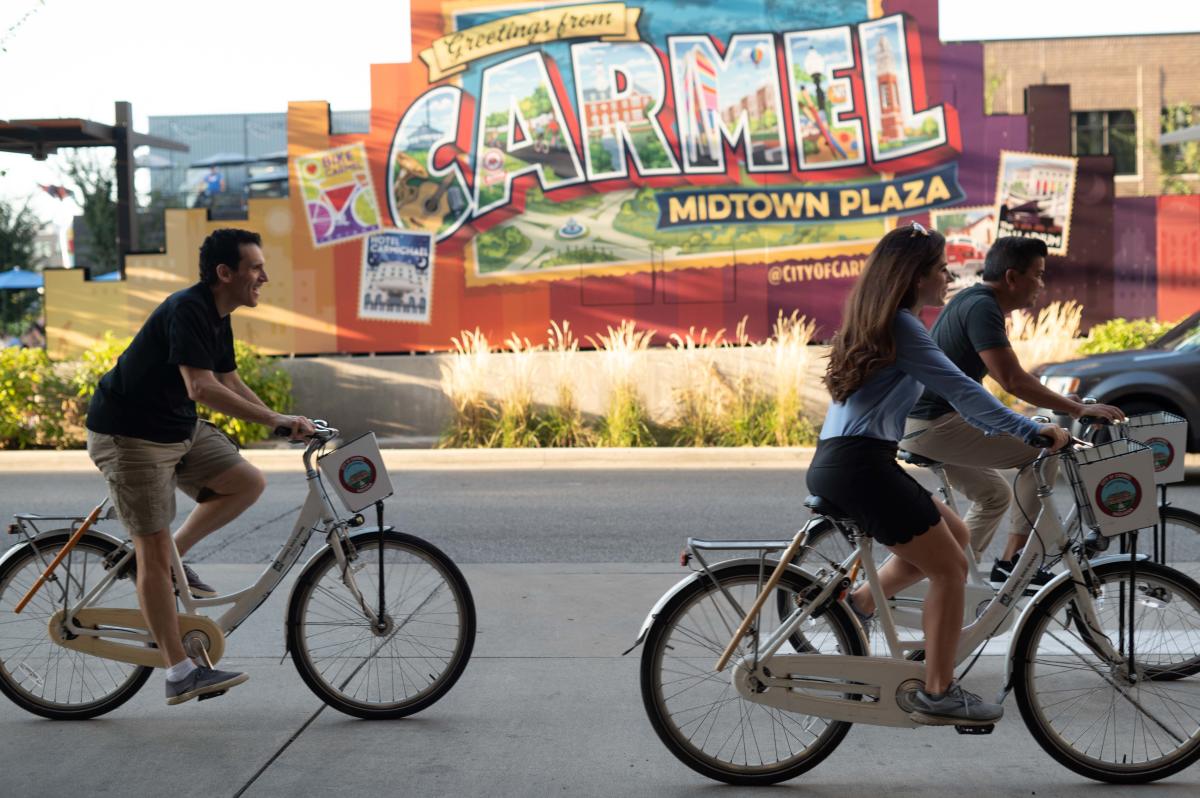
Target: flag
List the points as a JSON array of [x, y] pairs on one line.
[[58, 192]]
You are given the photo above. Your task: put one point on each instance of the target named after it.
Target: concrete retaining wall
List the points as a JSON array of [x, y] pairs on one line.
[[400, 397]]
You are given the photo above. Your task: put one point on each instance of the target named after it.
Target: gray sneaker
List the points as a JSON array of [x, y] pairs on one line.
[[203, 683], [198, 587], [955, 707]]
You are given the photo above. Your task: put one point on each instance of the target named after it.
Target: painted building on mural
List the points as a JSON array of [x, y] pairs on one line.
[[678, 164]]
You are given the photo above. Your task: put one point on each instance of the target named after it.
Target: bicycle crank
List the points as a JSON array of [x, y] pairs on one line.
[[91, 623]]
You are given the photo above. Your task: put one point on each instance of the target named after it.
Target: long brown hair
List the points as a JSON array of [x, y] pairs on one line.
[[864, 344]]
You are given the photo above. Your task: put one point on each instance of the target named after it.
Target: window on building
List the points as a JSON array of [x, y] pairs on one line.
[[1106, 133], [1179, 159]]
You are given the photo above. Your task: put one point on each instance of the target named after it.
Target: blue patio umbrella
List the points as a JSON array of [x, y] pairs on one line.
[[19, 279]]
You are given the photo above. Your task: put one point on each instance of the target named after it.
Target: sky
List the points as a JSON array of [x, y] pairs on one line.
[[76, 57]]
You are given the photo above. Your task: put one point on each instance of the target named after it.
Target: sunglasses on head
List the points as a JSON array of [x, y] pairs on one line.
[[917, 227]]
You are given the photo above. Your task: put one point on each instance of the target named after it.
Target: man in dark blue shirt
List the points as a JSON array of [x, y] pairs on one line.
[[144, 436], [971, 331]]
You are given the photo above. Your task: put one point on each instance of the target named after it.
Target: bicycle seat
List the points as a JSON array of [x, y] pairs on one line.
[[826, 508], [916, 459]]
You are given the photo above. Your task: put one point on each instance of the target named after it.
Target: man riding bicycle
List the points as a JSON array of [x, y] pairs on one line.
[[971, 331], [144, 436]]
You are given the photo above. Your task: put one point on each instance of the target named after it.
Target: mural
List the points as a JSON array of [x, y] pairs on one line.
[[339, 200], [677, 163], [969, 232], [655, 145], [1033, 198]]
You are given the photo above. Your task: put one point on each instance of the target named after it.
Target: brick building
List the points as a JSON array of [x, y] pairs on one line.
[[1120, 90]]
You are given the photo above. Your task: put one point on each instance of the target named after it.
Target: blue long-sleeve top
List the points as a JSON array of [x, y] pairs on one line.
[[879, 407]]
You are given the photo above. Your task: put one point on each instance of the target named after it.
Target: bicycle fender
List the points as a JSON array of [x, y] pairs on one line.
[[687, 580], [1027, 612], [43, 536]]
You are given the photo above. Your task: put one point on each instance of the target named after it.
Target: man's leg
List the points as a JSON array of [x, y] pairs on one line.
[[157, 594], [990, 497], [1025, 508], [897, 574], [952, 440], [223, 499]]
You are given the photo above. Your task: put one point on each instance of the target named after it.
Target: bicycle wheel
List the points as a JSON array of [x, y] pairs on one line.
[[1180, 542], [1084, 710], [828, 544], [39, 675], [699, 715], [414, 660]]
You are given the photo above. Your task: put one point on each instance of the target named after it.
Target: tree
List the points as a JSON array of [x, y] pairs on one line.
[[95, 182], [18, 233], [1179, 159], [18, 236]]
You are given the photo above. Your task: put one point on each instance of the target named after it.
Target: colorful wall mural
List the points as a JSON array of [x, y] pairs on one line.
[[676, 163]]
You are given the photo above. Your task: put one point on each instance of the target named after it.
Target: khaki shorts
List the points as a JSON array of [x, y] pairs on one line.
[[142, 475]]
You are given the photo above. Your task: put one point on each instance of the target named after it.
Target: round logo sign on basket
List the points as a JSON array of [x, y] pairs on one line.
[[1118, 494], [357, 474], [1164, 453]]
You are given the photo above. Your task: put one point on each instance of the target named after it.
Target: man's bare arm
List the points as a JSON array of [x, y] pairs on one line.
[[1004, 367], [233, 381], [204, 387]]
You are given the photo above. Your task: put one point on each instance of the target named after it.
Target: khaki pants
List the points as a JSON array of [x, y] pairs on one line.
[[142, 475], [971, 459]]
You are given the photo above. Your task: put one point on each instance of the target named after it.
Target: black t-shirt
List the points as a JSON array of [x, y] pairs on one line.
[[144, 395], [970, 323]]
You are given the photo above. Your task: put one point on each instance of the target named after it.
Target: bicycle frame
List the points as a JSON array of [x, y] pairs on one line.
[[318, 513], [883, 677]]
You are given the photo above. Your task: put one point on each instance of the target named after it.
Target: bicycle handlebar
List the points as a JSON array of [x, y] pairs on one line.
[[321, 431]]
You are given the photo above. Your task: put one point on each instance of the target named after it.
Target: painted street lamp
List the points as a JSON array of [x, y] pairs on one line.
[[814, 65]]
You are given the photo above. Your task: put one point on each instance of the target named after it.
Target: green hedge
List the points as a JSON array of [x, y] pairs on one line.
[[1120, 334], [43, 404]]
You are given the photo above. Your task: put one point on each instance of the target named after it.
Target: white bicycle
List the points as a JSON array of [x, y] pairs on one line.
[[380, 624], [1103, 659]]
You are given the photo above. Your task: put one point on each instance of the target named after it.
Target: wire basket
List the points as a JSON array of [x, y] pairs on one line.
[[1117, 486], [1166, 434], [356, 471]]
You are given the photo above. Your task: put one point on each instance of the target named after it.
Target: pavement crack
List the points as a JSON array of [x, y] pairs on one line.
[[286, 744]]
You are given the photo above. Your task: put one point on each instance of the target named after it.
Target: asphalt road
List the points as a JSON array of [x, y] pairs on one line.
[[522, 516]]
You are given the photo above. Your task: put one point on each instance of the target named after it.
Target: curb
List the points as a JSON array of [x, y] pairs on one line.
[[275, 459], [643, 458]]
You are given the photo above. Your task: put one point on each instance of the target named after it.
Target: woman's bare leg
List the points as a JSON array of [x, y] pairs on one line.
[[895, 575]]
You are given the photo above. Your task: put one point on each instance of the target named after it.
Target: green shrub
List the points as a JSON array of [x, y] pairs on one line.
[[1121, 334], [270, 382], [44, 404], [29, 399]]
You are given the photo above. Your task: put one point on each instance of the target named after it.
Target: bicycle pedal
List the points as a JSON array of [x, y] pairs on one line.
[[988, 729], [207, 696]]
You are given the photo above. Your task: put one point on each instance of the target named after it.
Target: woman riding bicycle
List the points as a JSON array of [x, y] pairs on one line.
[[881, 360]]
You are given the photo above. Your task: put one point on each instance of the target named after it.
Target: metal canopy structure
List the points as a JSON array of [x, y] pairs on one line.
[[1182, 136], [40, 138]]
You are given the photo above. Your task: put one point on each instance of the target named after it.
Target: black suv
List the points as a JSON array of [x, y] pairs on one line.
[[1163, 376]]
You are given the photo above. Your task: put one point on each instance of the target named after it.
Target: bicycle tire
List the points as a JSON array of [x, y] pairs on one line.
[[407, 653], [1158, 713], [19, 679], [659, 639], [829, 543], [1182, 536]]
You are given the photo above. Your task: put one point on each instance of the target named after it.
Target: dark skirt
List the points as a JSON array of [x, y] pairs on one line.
[[861, 476]]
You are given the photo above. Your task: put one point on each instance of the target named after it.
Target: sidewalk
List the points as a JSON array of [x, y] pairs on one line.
[[546, 707], [284, 460]]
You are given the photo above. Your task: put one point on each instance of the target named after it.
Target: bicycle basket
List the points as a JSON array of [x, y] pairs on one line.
[[1166, 434], [356, 471], [1118, 486]]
